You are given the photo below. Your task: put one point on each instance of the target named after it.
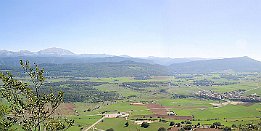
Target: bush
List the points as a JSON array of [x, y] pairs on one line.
[[188, 127], [217, 124], [145, 124], [164, 121], [172, 123], [126, 124], [212, 126], [188, 122]]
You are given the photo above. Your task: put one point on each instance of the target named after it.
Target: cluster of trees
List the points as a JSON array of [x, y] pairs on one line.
[[230, 77], [215, 125], [86, 94], [204, 82], [145, 84], [74, 83], [79, 91], [177, 96], [142, 77], [247, 127], [191, 77], [187, 125], [139, 84]]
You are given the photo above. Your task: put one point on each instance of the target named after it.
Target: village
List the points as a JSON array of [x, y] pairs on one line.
[[236, 95]]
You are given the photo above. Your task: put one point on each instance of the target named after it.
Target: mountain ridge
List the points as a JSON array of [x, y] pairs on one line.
[[59, 52], [238, 64], [172, 65]]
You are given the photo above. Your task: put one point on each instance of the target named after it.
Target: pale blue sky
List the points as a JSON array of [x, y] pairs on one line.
[[166, 28]]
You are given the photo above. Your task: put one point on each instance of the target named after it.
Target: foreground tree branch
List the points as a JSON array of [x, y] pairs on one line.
[[29, 107]]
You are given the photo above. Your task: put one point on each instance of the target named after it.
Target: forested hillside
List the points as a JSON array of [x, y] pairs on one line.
[[122, 66]]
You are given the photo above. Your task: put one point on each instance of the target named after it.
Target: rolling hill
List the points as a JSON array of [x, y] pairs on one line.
[[239, 64]]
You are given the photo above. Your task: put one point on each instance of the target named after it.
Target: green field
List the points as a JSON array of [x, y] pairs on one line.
[[202, 110]]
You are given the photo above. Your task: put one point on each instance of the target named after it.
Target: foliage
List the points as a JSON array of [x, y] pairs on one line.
[[217, 124], [187, 127], [251, 126], [5, 123], [105, 69], [188, 122], [145, 124], [126, 124], [162, 129], [79, 91], [172, 123], [55, 124], [30, 108]]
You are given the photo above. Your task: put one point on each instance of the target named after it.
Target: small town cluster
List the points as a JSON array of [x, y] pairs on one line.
[[236, 95]]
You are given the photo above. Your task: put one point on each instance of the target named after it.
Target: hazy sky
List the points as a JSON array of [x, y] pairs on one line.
[[169, 28]]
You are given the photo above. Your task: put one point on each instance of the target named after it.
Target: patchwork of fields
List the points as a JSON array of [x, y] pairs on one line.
[[158, 100]]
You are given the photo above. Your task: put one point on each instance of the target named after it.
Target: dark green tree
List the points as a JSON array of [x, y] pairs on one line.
[[188, 122], [217, 124], [145, 124], [29, 107], [126, 124], [172, 123], [187, 127]]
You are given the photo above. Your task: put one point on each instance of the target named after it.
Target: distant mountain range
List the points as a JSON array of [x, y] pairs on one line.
[[57, 57], [61, 56], [55, 52]]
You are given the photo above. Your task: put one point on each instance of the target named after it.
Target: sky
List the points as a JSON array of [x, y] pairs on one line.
[[138, 28]]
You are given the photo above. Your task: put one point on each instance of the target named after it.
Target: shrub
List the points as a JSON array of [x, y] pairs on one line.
[[172, 123], [145, 124], [126, 124]]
